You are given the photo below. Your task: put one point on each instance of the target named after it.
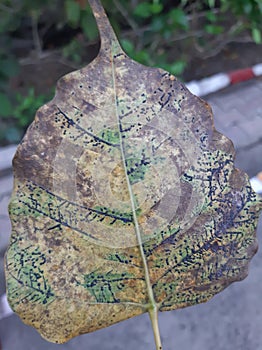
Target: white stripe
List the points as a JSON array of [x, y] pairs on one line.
[[208, 85], [256, 184], [257, 69], [193, 87]]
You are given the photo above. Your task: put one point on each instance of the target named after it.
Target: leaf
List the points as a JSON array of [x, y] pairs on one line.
[[256, 35], [126, 200], [214, 29], [73, 10], [179, 18], [211, 3], [143, 10], [176, 67], [127, 45], [156, 8], [6, 107], [211, 16], [89, 26]]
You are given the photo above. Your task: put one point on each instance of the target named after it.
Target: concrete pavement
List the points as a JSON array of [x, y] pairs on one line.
[[232, 319], [238, 115]]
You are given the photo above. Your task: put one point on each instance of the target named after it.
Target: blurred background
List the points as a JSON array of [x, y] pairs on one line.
[[42, 40]]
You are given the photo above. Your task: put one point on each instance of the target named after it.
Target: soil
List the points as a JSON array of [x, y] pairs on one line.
[[43, 73], [233, 56]]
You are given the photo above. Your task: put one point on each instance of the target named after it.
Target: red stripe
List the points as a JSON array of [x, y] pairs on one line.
[[241, 75]]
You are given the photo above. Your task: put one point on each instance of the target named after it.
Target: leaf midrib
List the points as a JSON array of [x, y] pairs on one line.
[[152, 303]]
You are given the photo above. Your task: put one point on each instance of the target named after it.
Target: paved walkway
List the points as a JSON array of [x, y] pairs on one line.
[[232, 320], [238, 114]]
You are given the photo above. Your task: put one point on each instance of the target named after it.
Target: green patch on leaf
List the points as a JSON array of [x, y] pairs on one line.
[[137, 168], [111, 136], [27, 281], [104, 286]]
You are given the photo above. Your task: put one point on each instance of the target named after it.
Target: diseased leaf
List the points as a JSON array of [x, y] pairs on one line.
[[125, 200]]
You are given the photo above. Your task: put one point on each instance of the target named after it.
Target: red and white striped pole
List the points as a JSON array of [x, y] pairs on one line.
[[222, 80]]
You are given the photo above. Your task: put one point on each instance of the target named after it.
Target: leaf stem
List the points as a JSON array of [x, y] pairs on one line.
[[153, 313], [152, 306], [109, 44]]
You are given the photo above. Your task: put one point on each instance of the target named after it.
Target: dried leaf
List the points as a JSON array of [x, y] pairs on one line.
[[125, 200]]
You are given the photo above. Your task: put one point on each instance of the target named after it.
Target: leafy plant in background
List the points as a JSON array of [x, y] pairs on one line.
[[17, 115], [26, 107], [248, 14], [163, 33], [8, 69]]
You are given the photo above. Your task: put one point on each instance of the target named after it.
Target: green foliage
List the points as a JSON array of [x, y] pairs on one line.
[[8, 67], [250, 12], [147, 9], [73, 51], [256, 35], [73, 12], [27, 106], [18, 113], [6, 107], [77, 17], [214, 29], [178, 18]]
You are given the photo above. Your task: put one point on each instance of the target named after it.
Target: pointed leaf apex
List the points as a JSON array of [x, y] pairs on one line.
[[107, 34]]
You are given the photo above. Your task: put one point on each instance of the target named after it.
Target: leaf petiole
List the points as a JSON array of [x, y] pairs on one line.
[[153, 313]]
